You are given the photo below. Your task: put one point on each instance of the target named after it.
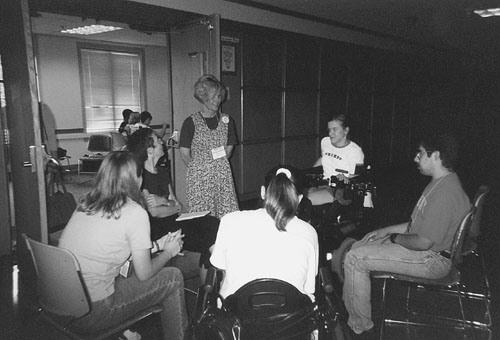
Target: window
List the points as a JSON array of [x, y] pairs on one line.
[[112, 82]]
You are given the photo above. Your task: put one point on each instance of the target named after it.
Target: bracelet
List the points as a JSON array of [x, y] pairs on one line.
[[393, 237]]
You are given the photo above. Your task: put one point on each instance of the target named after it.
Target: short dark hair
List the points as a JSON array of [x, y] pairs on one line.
[[283, 183], [446, 144], [139, 142], [126, 114], [145, 115]]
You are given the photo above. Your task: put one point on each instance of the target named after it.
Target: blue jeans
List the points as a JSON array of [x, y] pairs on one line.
[[131, 296], [375, 256]]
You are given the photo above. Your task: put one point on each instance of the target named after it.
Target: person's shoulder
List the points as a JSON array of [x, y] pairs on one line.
[[132, 208], [325, 141], [296, 224], [354, 145]]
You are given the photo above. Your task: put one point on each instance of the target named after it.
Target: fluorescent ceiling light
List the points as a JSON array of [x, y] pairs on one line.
[[490, 12], [91, 29]]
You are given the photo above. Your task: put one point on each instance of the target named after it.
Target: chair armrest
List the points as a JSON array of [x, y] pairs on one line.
[[209, 285], [326, 279]]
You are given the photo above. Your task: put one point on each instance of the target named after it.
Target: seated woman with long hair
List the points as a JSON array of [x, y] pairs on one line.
[[270, 242], [163, 207], [110, 226]]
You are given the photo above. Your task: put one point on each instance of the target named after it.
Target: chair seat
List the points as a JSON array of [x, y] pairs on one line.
[[451, 279], [58, 320]]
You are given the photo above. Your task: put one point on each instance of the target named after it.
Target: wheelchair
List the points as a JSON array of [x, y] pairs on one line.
[[350, 214], [267, 309]]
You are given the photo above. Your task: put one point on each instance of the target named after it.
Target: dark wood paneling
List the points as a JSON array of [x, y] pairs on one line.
[[257, 160], [382, 111], [261, 114], [301, 113], [302, 62], [262, 60], [361, 66], [335, 67], [300, 152]]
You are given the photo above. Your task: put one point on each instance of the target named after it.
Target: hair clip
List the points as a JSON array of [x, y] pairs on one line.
[[284, 171]]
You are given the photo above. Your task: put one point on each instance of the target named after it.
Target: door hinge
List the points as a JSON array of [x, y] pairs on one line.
[[6, 137]]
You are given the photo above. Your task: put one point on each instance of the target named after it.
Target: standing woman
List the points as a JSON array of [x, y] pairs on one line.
[[270, 242], [110, 226], [207, 140]]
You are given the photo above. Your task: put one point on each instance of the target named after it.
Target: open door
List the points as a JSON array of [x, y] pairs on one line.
[[25, 147], [195, 50]]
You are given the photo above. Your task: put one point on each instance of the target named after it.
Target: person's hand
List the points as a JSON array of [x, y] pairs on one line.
[[155, 201], [343, 178], [172, 243], [374, 235]]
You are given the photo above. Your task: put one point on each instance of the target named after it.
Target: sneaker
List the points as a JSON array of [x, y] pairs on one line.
[[338, 256]]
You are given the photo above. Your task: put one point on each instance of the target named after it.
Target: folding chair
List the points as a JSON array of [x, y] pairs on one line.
[[449, 281], [62, 294]]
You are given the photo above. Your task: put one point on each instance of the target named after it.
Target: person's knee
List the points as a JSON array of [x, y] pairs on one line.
[[171, 275]]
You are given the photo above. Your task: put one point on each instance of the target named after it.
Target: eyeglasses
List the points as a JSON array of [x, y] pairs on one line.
[[419, 154]]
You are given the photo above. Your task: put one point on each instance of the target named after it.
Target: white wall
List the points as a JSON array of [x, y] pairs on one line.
[[60, 90]]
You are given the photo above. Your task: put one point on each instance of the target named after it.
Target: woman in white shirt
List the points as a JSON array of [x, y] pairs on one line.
[[270, 242]]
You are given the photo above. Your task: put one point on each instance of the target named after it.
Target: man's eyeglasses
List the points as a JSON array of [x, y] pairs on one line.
[[419, 154]]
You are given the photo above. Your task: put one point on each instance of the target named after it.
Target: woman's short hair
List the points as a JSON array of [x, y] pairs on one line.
[[283, 185], [139, 142], [126, 114], [344, 120], [204, 83], [116, 183]]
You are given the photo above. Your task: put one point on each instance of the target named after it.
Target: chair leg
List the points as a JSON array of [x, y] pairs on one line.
[[382, 308]]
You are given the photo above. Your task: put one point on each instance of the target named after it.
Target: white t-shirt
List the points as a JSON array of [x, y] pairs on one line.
[[249, 247], [346, 158], [103, 245]]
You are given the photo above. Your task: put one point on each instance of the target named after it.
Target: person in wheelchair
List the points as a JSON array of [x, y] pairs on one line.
[[270, 242], [339, 158]]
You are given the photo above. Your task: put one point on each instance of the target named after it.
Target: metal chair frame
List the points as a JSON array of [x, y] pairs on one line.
[[62, 294], [452, 280]]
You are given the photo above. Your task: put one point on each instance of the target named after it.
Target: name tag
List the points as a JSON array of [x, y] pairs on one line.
[[218, 152]]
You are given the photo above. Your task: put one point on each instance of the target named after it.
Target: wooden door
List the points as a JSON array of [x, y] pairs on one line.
[[25, 148], [195, 50]]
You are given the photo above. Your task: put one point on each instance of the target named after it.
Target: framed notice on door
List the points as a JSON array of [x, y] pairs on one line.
[[228, 59]]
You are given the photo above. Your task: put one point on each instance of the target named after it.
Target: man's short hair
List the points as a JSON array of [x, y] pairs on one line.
[[145, 115], [446, 144]]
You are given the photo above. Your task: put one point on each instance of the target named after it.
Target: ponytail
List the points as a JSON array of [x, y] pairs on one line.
[[283, 187]]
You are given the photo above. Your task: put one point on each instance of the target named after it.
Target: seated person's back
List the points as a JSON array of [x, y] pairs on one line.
[[254, 244]]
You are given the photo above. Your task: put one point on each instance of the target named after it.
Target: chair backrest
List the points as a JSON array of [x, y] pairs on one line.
[[267, 306], [479, 199], [117, 141], [99, 143], [458, 240], [61, 289]]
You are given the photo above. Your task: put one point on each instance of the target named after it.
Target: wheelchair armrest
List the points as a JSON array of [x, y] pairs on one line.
[[209, 285], [326, 279]]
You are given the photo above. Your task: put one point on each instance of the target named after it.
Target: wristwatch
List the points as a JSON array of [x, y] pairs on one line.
[[393, 237]]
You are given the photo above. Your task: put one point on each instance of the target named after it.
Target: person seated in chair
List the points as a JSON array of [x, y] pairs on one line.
[[146, 119], [414, 248], [162, 204], [339, 158], [111, 226], [270, 242]]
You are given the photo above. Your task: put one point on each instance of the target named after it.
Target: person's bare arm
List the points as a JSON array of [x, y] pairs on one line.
[[186, 155]]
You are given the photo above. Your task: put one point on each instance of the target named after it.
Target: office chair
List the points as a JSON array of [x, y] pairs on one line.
[[449, 281], [98, 146], [62, 294], [266, 309], [117, 141]]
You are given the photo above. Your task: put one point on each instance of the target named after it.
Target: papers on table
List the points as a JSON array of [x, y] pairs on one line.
[[192, 215]]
